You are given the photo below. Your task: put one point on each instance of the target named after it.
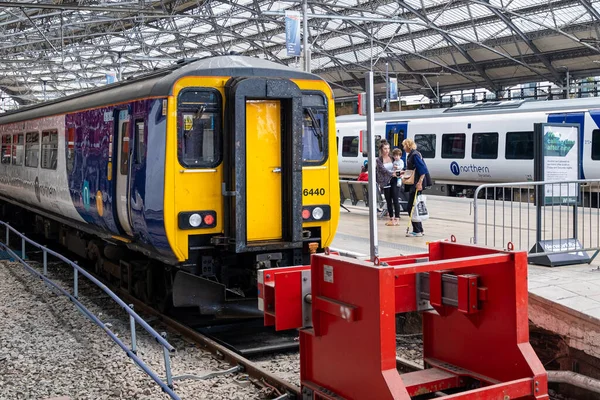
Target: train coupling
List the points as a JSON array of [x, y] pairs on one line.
[[473, 302], [268, 260]]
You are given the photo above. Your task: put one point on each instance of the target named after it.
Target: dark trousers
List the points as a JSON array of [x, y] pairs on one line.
[[391, 194], [417, 226]]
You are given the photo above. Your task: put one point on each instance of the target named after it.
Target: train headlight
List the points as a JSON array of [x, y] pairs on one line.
[[195, 220], [317, 213], [204, 219]]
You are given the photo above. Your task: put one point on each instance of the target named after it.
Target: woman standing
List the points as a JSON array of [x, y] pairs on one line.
[[387, 179], [415, 162]]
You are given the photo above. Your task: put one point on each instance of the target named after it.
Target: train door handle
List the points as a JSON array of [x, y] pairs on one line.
[[277, 170]]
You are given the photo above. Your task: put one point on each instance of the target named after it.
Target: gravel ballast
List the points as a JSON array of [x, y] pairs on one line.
[[49, 349]]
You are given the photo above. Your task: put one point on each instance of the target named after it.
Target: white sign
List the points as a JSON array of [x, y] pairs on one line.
[[328, 273], [561, 163]]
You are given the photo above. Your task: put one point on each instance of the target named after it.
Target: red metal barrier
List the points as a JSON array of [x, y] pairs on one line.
[[476, 338]]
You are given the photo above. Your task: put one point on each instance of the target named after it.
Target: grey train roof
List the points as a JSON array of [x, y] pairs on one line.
[[156, 84], [495, 107]]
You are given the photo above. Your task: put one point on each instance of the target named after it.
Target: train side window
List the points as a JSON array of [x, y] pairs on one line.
[[18, 149], [314, 128], [485, 146], [519, 146], [453, 145], [124, 147], [350, 146], [49, 149], [426, 145], [140, 143], [596, 144], [32, 149], [70, 149], [199, 114], [6, 149]]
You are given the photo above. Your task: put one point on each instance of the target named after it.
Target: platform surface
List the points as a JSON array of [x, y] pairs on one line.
[[563, 299]]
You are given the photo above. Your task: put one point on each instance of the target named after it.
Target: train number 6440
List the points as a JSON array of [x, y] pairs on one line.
[[314, 192]]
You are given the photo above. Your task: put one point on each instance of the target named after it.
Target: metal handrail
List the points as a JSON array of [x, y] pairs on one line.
[[133, 316], [519, 184], [584, 187]]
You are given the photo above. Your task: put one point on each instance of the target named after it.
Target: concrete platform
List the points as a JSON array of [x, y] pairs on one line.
[[564, 300], [449, 216]]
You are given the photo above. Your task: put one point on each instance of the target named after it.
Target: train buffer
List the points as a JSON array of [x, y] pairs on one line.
[[475, 328]]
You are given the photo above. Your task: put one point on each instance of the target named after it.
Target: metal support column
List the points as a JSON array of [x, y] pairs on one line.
[[372, 174], [305, 36]]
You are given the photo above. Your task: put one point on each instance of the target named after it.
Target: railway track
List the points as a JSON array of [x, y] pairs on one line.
[[284, 389]]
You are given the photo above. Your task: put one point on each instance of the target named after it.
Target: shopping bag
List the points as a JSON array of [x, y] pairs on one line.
[[420, 212], [408, 178]]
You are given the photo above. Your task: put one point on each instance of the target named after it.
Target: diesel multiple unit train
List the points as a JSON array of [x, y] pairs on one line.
[[181, 183], [472, 144]]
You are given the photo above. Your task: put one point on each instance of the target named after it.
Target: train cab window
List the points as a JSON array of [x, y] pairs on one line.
[[426, 145], [18, 149], [484, 146], [596, 144], [6, 149], [140, 143], [519, 146], [314, 129], [453, 145], [350, 146], [49, 149], [32, 149], [199, 115]]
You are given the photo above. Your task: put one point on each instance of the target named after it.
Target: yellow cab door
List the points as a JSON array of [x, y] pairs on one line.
[[262, 183], [263, 170]]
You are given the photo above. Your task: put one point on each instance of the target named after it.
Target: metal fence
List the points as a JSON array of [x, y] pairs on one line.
[[134, 318], [564, 216]]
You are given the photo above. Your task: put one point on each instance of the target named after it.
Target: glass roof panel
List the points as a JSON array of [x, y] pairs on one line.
[[74, 46]]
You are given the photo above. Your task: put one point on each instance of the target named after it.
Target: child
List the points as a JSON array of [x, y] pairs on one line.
[[364, 173], [398, 163]]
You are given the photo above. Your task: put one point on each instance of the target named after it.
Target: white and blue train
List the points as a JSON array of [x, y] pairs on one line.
[[471, 144]]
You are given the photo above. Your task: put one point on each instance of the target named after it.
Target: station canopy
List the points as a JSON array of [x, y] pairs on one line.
[[53, 48]]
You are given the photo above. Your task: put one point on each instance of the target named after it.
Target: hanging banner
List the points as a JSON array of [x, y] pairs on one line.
[[111, 77], [292, 33], [393, 85]]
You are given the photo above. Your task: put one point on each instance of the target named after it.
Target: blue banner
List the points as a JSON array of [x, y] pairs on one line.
[[393, 89], [292, 33], [111, 77]]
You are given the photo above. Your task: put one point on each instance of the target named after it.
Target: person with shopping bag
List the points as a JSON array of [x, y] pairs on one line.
[[415, 178], [387, 176]]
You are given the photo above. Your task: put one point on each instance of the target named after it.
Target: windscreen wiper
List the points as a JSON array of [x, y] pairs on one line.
[[316, 127]]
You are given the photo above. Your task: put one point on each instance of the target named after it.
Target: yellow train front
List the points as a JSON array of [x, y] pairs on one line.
[[251, 177]]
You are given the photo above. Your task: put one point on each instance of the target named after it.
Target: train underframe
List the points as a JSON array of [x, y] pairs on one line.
[[216, 281]]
